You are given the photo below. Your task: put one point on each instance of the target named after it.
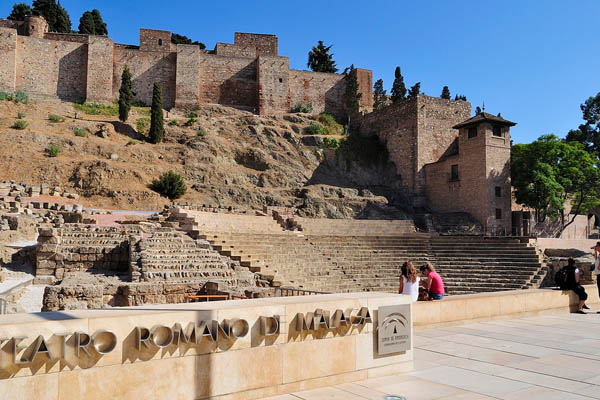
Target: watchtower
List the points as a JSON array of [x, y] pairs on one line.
[[35, 26]]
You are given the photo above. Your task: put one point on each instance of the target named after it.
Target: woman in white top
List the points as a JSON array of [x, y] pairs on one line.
[[409, 281]]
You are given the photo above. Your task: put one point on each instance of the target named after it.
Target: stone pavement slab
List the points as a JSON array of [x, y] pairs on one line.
[[550, 357]]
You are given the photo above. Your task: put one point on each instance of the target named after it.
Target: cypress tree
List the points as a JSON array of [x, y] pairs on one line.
[[87, 25], [379, 97], [157, 129], [125, 95], [99, 24], [398, 88], [414, 90], [55, 15], [319, 59], [19, 12], [445, 93], [63, 22], [351, 96]]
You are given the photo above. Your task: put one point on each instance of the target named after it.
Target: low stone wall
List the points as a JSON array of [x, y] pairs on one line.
[[239, 349], [456, 310]]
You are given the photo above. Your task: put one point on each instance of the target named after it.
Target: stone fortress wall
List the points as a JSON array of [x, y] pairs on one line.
[[247, 74]]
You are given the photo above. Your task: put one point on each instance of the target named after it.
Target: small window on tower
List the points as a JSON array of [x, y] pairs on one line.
[[160, 42], [472, 132], [280, 80], [498, 213], [498, 191], [454, 173], [497, 131]]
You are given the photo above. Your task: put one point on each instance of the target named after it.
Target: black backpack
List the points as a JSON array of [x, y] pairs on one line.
[[561, 278]]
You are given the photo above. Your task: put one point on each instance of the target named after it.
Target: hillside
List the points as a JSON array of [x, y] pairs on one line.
[[227, 157]]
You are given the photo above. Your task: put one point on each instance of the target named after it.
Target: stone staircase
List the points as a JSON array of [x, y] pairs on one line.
[[352, 227]]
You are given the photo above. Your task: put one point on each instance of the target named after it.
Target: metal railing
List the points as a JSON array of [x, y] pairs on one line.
[[285, 292]]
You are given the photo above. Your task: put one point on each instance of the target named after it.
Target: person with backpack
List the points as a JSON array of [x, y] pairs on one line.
[[568, 279]]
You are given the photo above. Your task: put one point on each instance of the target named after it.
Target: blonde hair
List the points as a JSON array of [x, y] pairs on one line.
[[409, 271]]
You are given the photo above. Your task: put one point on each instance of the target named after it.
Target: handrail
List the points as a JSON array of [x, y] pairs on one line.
[[284, 292]]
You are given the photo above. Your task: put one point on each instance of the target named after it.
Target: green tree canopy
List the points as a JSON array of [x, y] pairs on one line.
[[319, 59], [460, 97], [556, 178], [182, 39], [351, 96], [55, 15], [477, 110], [125, 95], [445, 93], [379, 97], [91, 23], [157, 128], [588, 134], [414, 90], [19, 12], [398, 87]]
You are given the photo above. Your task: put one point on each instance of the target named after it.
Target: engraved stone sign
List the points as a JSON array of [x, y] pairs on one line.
[[394, 329]]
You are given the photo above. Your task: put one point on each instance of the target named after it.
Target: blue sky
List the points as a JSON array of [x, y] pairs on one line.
[[533, 61]]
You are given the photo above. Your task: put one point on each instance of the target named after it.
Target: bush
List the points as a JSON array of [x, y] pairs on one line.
[[17, 97], [190, 122], [53, 150], [20, 115], [300, 107], [55, 118], [6, 96], [191, 115], [20, 124], [131, 142], [139, 104], [142, 124], [80, 132], [97, 109], [331, 143], [174, 122], [315, 129], [332, 126], [169, 184], [201, 132]]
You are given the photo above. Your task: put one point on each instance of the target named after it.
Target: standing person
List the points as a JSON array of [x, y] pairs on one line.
[[409, 281], [435, 286], [574, 285], [597, 265]]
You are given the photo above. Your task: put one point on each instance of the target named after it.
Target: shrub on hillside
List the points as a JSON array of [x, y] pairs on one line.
[[20, 115], [201, 132], [18, 97], [332, 126], [300, 107], [53, 150], [20, 124], [315, 129], [190, 122], [55, 118], [131, 142], [170, 184], [142, 124], [331, 143], [174, 122], [97, 109], [80, 132]]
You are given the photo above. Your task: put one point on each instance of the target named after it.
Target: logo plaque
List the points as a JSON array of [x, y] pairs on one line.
[[394, 329]]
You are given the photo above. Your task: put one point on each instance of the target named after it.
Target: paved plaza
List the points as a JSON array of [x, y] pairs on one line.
[[550, 357]]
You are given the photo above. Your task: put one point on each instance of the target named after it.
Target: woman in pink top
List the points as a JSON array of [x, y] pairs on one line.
[[435, 286]]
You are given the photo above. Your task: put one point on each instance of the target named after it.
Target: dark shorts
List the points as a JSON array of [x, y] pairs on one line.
[[580, 292], [436, 296]]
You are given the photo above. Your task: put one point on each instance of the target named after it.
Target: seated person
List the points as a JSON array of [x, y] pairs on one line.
[[435, 286], [409, 281], [573, 284]]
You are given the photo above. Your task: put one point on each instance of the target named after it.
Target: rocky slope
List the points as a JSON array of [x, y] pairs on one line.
[[228, 158]]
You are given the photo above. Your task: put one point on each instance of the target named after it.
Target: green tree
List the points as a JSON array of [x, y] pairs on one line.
[[445, 93], [125, 95], [170, 184], [55, 15], [19, 12], [460, 97], [319, 59], [87, 25], [182, 39], [351, 96], [556, 178], [398, 88], [477, 110], [379, 97], [588, 134], [157, 128], [101, 28], [414, 90]]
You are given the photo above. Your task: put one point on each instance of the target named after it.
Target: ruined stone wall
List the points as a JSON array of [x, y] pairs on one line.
[[273, 85], [396, 126], [235, 50], [266, 45], [99, 87], [365, 88], [56, 69], [146, 68], [8, 59], [228, 81], [325, 92], [187, 91]]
